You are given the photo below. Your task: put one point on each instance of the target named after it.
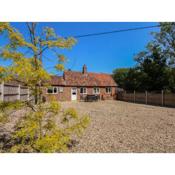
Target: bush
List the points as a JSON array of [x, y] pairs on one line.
[[6, 108], [39, 131]]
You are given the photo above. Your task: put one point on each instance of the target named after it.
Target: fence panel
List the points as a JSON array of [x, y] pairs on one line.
[[23, 90], [169, 100], [10, 98], [24, 93], [10, 89], [128, 97], [140, 98], [24, 97], [152, 98], [11, 92]]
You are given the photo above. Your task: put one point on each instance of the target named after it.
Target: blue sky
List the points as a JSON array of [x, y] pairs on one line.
[[100, 53]]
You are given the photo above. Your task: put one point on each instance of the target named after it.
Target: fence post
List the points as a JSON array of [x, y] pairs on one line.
[[124, 96], [162, 97], [2, 91], [19, 92], [146, 97], [134, 96]]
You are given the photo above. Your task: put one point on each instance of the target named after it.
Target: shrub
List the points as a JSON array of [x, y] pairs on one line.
[[39, 131]]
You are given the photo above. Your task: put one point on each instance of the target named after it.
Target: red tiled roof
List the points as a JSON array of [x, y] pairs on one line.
[[72, 78], [57, 80]]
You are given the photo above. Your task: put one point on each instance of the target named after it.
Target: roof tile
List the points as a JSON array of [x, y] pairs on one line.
[[72, 78]]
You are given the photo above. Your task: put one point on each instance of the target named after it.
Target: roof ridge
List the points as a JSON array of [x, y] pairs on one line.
[[88, 72], [76, 78]]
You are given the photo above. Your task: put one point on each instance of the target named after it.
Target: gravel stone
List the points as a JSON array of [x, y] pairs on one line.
[[118, 127], [121, 127]]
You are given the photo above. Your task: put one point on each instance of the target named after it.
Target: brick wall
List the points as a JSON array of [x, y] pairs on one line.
[[60, 96], [66, 94], [107, 96]]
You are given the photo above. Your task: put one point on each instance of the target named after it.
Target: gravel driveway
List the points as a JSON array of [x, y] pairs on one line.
[[126, 127]]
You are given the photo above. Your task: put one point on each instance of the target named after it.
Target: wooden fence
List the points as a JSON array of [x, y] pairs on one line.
[[11, 92], [152, 98]]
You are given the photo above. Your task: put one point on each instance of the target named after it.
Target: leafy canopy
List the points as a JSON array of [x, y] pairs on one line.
[[47, 129], [30, 70], [155, 65], [39, 129]]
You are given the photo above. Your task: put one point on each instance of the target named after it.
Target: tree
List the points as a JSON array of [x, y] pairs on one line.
[[152, 63], [165, 39], [171, 79], [30, 70], [40, 132], [134, 80], [120, 75], [38, 129], [155, 65], [128, 78]]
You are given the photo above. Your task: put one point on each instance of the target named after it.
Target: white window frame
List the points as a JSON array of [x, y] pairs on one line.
[[108, 92], [60, 89], [52, 90], [83, 90], [95, 90]]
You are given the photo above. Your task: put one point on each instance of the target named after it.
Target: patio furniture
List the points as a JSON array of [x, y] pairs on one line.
[[91, 98]]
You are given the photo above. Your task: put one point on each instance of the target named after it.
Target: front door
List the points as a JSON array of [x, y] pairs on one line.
[[74, 93]]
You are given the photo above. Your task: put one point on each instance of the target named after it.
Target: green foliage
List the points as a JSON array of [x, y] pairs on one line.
[[59, 42], [30, 70], [49, 33], [120, 75], [71, 112], [39, 130], [59, 67], [157, 60], [61, 58], [134, 80], [3, 118], [129, 78], [165, 39], [155, 65], [55, 142], [7, 106], [171, 79]]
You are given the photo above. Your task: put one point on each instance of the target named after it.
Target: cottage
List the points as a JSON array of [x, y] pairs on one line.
[[77, 85]]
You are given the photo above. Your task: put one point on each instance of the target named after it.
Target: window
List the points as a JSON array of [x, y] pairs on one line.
[[96, 90], [52, 90], [108, 90], [83, 90], [55, 90], [60, 89]]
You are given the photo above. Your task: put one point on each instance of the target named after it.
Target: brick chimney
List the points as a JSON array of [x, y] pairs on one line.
[[84, 71], [64, 76]]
